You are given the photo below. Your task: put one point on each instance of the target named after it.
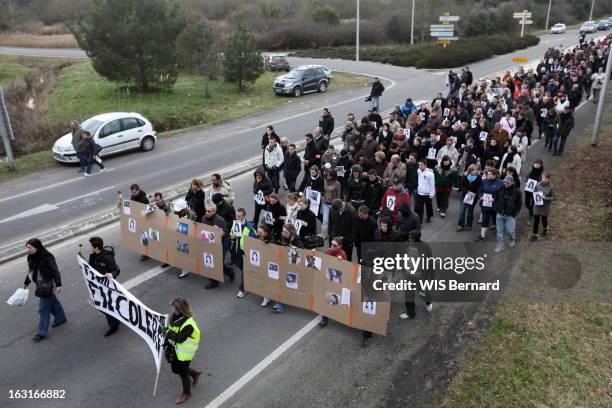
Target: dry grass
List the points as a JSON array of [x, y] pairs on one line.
[[38, 40]]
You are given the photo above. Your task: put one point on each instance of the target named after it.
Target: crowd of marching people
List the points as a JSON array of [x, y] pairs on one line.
[[382, 182]]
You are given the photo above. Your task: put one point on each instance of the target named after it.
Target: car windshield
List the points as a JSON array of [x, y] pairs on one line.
[[278, 59], [558, 25], [91, 125], [295, 73], [603, 22]]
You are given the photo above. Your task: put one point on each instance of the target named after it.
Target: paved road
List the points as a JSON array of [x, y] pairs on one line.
[[323, 367], [31, 206]]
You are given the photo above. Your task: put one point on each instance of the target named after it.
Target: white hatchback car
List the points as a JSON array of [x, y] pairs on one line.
[[114, 132], [558, 28]]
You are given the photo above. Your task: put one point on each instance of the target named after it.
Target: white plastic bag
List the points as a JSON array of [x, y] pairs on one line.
[[19, 297]]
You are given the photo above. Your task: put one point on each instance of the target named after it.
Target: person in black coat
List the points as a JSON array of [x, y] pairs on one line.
[[507, 203], [406, 221], [195, 197], [366, 229], [212, 218], [374, 191], [263, 184], [343, 223], [314, 180], [312, 155], [307, 218], [226, 211], [138, 195], [43, 271], [102, 259], [292, 166], [279, 212], [326, 123]]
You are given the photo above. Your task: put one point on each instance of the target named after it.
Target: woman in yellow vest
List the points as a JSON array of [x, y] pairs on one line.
[[182, 341]]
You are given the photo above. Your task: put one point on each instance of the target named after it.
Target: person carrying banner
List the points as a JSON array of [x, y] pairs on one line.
[[102, 259], [241, 229], [43, 271], [182, 342], [289, 238]]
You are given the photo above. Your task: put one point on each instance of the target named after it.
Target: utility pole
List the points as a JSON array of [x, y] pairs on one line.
[[591, 13], [357, 38], [602, 100], [6, 132], [523, 24], [548, 15], [412, 25]]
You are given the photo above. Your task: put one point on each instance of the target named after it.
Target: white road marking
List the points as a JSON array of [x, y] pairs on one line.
[[143, 277], [36, 190], [49, 207], [262, 365], [34, 211]]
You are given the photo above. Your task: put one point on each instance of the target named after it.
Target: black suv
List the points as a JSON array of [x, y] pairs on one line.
[[301, 80]]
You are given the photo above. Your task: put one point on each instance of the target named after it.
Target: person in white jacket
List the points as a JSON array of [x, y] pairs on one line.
[[426, 191], [449, 150], [511, 159], [521, 141], [273, 161], [508, 122]]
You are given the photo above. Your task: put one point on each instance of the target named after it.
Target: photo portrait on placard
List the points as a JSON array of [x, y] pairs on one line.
[[313, 262], [292, 280], [182, 227], [254, 257], [369, 307], [144, 238], [333, 275], [332, 298], [153, 234], [127, 207], [207, 236], [293, 256], [208, 260], [132, 225], [182, 246], [272, 270]]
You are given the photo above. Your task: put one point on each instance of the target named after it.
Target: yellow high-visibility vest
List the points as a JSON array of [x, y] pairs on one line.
[[186, 350]]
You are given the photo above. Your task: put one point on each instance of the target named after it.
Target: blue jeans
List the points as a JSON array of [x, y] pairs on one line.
[[463, 208], [325, 207], [47, 306], [83, 161], [374, 102], [505, 224], [279, 306]]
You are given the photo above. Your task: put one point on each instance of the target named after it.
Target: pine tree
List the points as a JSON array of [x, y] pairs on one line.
[[242, 60], [132, 41]]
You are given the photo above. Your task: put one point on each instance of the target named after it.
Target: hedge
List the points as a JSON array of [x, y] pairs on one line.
[[464, 51]]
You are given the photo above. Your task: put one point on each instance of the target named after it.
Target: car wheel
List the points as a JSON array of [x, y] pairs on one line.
[[322, 87], [297, 91], [147, 144]]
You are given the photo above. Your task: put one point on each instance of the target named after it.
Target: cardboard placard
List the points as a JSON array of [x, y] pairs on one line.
[[316, 282], [178, 242]]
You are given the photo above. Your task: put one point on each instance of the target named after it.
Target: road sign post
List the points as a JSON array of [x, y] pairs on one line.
[[445, 32], [6, 132], [523, 16]]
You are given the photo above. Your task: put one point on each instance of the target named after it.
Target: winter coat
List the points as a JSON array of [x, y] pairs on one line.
[[377, 89], [343, 224], [313, 155], [104, 262], [195, 199], [327, 124], [445, 178], [273, 159], [406, 222], [412, 177], [315, 184], [549, 196], [566, 124], [401, 196], [141, 197], [292, 166], [265, 185], [374, 193], [508, 201], [307, 216], [43, 263], [333, 190]]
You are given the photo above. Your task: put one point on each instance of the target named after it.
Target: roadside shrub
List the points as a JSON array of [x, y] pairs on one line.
[[325, 15]]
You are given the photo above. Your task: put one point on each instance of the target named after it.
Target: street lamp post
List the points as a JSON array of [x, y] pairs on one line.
[[412, 25], [548, 15], [592, 7], [357, 36], [602, 99]]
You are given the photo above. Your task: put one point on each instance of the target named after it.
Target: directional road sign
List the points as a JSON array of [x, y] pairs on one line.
[[449, 18]]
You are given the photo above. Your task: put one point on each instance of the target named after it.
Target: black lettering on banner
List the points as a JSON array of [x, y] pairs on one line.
[[93, 288], [148, 317], [104, 299], [133, 313], [140, 326], [118, 306], [110, 302]]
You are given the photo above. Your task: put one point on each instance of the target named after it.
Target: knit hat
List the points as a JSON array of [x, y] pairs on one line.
[[509, 179], [357, 168]]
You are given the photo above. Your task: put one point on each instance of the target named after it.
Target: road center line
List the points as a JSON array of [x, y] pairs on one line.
[[83, 196], [262, 365]]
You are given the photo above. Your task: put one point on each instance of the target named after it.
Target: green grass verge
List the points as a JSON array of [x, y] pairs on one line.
[[10, 72], [28, 164], [458, 53], [551, 352], [81, 93]]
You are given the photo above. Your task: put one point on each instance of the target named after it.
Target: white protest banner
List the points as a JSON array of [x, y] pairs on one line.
[[530, 185], [108, 296]]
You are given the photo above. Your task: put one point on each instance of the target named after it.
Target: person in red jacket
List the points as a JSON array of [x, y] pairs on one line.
[[393, 198]]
